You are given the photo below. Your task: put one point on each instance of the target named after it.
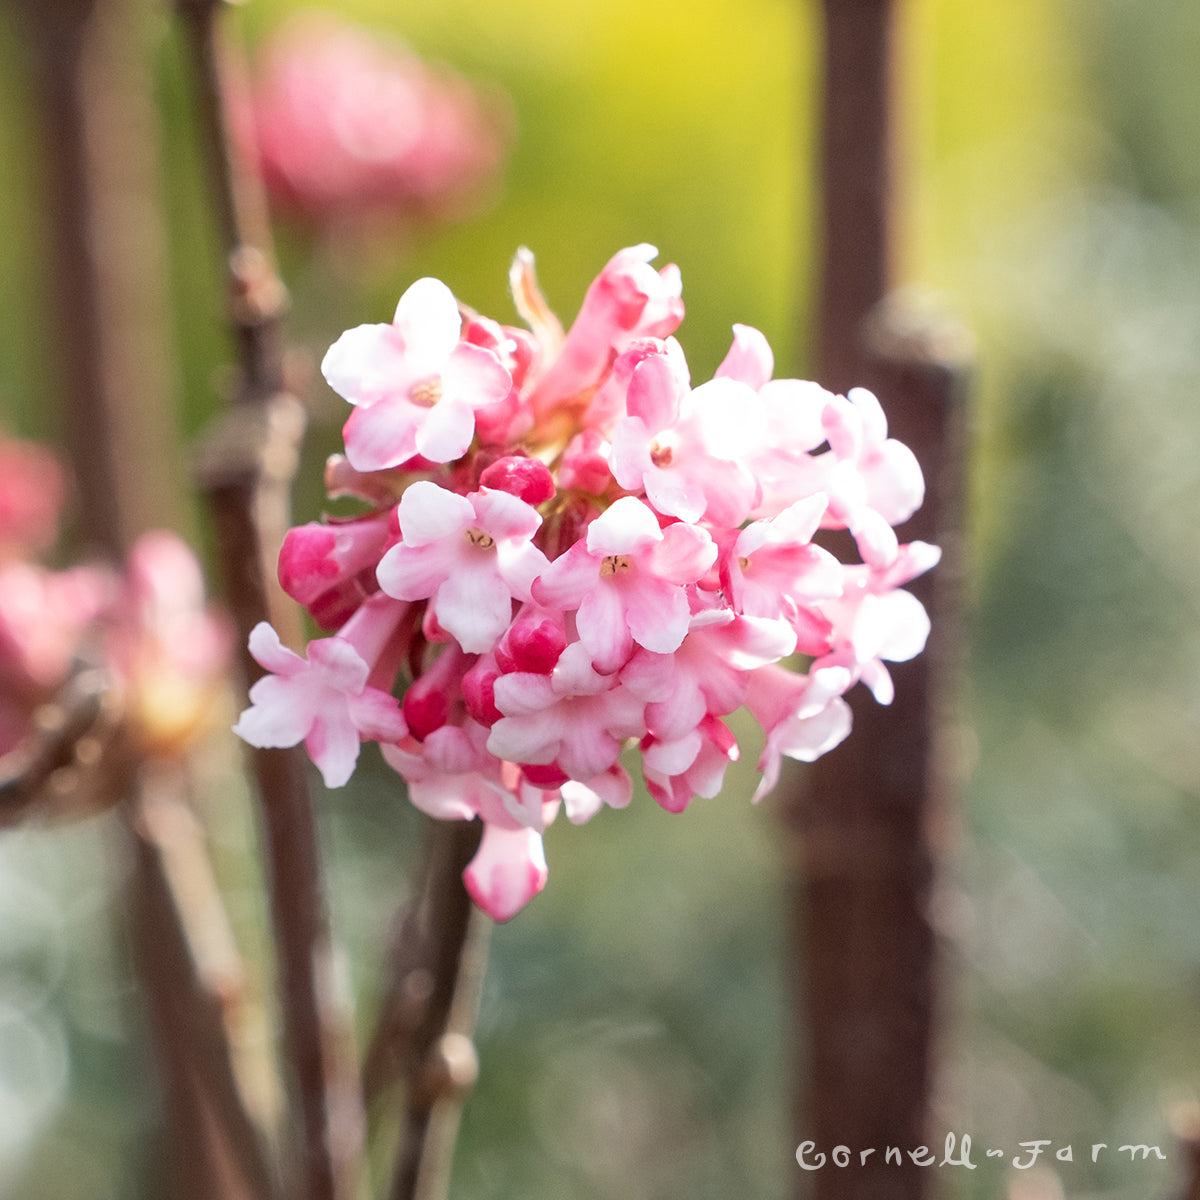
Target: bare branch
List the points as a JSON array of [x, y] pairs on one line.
[[423, 1038], [246, 468]]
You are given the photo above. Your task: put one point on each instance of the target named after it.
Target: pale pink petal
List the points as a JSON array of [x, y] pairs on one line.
[[522, 693], [428, 513], [504, 515], [673, 493], [565, 582], [574, 674], [749, 359], [870, 413], [586, 752], [527, 739], [364, 364], [895, 483], [381, 436], [333, 745], [580, 801], [625, 527], [427, 317], [583, 800], [341, 666], [653, 395], [875, 675], [656, 612], [520, 564], [271, 654], [675, 756], [875, 538], [446, 431], [475, 377], [474, 605], [416, 572], [731, 418], [907, 626], [376, 716], [280, 715], [604, 631], [508, 870], [684, 555]]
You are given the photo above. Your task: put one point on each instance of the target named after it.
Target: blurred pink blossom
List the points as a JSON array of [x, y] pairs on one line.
[[347, 124]]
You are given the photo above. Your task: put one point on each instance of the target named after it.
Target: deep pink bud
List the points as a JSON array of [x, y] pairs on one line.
[[428, 701], [425, 708], [479, 691], [533, 642], [527, 478], [585, 463], [548, 775], [330, 568]]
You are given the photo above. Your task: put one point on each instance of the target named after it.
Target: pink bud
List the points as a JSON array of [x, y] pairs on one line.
[[527, 478]]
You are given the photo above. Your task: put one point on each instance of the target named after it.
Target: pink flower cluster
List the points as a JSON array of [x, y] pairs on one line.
[[568, 549], [148, 625], [345, 124]]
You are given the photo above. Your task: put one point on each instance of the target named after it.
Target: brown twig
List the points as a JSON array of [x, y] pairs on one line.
[[195, 995], [92, 94], [30, 772], [429, 1011], [246, 469], [871, 818]]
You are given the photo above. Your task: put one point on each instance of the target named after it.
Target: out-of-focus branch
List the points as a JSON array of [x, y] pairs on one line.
[[195, 993], [876, 816], [106, 263], [428, 1016], [1183, 1119], [246, 469], [92, 92], [872, 818], [68, 734], [857, 165]]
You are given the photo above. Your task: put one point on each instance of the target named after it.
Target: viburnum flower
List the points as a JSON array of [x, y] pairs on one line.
[[415, 384], [572, 562]]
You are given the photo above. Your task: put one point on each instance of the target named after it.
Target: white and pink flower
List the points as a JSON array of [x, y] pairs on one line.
[[572, 554]]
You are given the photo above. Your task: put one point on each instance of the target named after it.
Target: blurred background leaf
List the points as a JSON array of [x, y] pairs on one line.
[[632, 1030]]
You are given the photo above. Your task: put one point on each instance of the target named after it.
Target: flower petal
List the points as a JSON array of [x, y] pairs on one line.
[[508, 870]]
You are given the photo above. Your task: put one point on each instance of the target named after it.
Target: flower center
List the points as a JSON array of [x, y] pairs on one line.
[[426, 393], [612, 563], [743, 562], [484, 541], [660, 455]]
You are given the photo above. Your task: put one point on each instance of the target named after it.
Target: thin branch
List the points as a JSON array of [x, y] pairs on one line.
[[39, 770], [428, 1016], [246, 468], [196, 994]]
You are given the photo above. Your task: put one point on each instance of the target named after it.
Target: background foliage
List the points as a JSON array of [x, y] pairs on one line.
[[632, 1033]]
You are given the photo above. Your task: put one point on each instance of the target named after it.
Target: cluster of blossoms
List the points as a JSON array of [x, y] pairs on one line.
[[344, 124], [164, 652], [569, 548]]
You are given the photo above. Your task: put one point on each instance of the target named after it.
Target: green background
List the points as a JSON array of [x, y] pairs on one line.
[[633, 1035]]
